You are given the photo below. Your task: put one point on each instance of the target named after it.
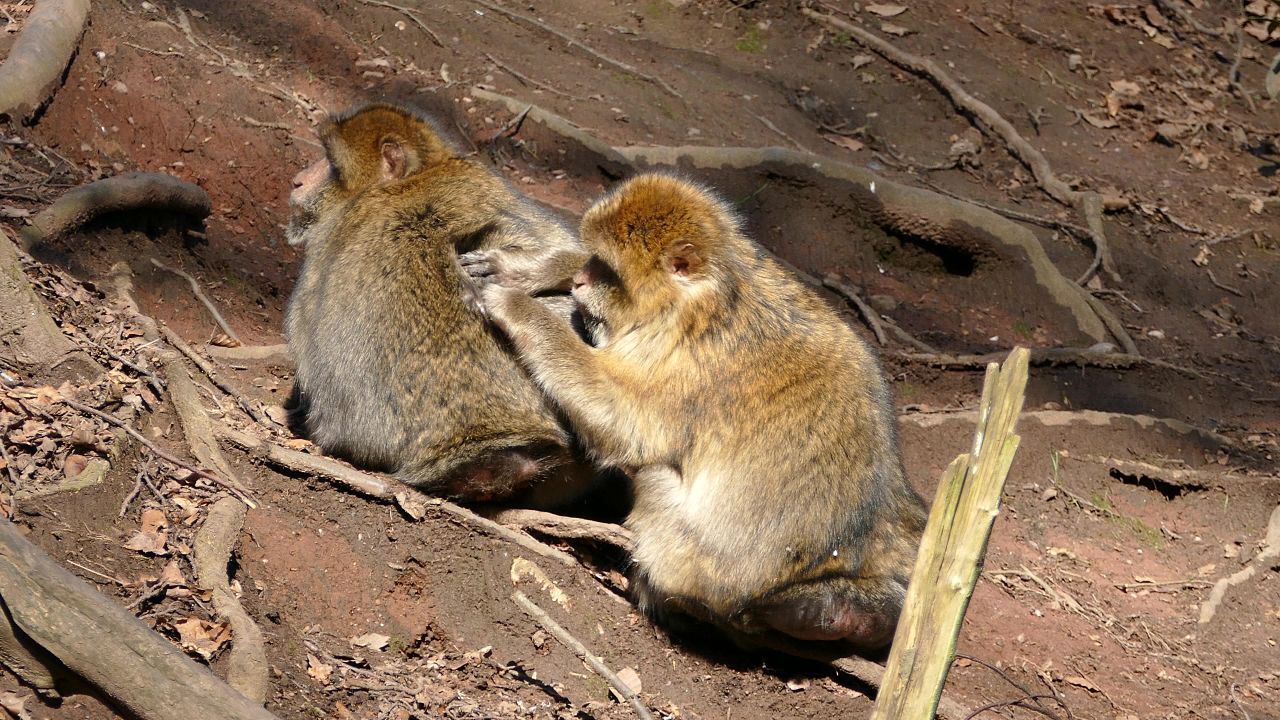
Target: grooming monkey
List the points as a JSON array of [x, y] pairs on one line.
[[757, 427], [395, 371]]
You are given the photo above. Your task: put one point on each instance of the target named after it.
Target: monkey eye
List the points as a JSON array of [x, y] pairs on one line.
[[601, 272]]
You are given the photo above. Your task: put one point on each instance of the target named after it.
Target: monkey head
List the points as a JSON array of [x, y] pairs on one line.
[[658, 246], [369, 146]]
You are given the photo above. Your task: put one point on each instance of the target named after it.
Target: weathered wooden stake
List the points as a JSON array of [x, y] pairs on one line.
[[952, 550]]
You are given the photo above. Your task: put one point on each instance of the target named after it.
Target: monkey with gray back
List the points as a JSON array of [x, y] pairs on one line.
[[395, 369]]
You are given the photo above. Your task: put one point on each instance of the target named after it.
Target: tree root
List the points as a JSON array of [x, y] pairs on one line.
[[570, 528], [30, 331], [845, 290], [40, 55], [1080, 357], [410, 501], [247, 664], [144, 674], [1270, 551], [1056, 418], [1088, 203], [181, 345], [898, 208], [131, 191]]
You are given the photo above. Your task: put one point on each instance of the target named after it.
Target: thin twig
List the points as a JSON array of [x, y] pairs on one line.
[[181, 345], [1236, 701], [595, 663], [847, 291], [152, 379], [162, 53], [409, 13], [1222, 286], [576, 44], [526, 80], [1173, 8], [202, 297], [988, 119], [137, 488], [234, 489], [765, 121], [512, 128]]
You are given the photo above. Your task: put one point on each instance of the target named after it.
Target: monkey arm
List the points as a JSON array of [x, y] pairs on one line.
[[600, 406], [530, 271]]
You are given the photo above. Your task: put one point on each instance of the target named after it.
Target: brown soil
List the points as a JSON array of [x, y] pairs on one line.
[[1094, 579]]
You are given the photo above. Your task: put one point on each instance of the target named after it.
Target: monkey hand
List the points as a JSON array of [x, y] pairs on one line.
[[505, 306], [481, 266], [507, 266]]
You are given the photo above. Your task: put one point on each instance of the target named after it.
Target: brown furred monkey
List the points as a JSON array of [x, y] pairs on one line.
[[395, 371], [770, 497]]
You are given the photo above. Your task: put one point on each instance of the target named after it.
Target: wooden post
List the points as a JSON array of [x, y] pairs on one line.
[[952, 550]]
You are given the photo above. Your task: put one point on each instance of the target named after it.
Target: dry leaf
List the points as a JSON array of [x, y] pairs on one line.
[[798, 685], [631, 679], [222, 340], [318, 670], [860, 61], [1256, 206], [8, 211], [152, 538], [373, 641], [892, 29], [886, 10], [1273, 78], [172, 574], [844, 142], [201, 637], [1202, 258], [74, 465]]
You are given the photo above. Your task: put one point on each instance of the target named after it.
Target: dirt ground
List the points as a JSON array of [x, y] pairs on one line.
[[1134, 491]]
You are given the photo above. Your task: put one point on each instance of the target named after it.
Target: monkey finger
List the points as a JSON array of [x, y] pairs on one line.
[[477, 263]]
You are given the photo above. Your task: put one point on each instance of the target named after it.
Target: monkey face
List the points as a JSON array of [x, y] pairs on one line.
[[309, 189], [599, 293]]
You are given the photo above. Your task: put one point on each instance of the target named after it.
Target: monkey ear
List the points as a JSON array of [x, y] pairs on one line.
[[684, 260], [395, 163]]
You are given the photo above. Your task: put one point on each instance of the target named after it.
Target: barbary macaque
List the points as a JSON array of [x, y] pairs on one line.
[[757, 426], [395, 369]]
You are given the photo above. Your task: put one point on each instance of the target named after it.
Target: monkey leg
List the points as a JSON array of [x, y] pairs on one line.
[[862, 612]]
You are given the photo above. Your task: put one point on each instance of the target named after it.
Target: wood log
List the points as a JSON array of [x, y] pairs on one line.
[[143, 674]]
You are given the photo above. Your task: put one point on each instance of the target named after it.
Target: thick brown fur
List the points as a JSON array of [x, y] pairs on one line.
[[758, 427], [395, 371]]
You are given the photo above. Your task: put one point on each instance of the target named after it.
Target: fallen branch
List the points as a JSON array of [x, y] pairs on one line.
[[37, 59], [203, 298], [525, 80], [1270, 551], [571, 528], [231, 487], [409, 13], [1089, 203], [550, 625], [1177, 477], [278, 353], [410, 501], [131, 191], [247, 661], [571, 42], [144, 674], [847, 291], [952, 550]]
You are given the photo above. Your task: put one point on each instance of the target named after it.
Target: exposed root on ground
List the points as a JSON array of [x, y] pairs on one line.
[[1080, 357], [898, 208], [410, 501], [1088, 203], [247, 662], [40, 55], [144, 674], [26, 326], [131, 191], [567, 527]]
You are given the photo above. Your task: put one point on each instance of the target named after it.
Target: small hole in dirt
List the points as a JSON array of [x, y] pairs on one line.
[[1170, 490], [928, 256]]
